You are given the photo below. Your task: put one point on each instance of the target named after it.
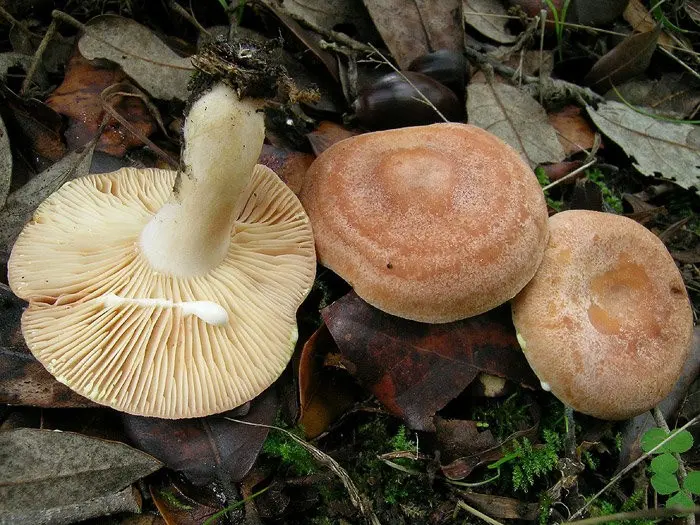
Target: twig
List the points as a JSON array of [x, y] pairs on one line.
[[569, 175], [666, 512], [184, 13], [629, 467], [544, 85], [420, 94], [38, 54], [683, 64], [683, 473], [477, 513], [13, 21]]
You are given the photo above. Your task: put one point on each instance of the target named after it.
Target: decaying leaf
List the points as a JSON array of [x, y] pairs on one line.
[[5, 163], [407, 40], [46, 471], [669, 149], [415, 369], [78, 98], [326, 134], [179, 509], [629, 58], [23, 380], [501, 507], [21, 204], [595, 12], [334, 14], [11, 59], [489, 18], [675, 95], [35, 127], [323, 395], [638, 16], [443, 23], [140, 53], [206, 448], [289, 165], [574, 132], [459, 438], [692, 7], [515, 117]]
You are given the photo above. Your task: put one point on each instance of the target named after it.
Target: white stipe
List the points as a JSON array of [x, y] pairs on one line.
[[208, 311]]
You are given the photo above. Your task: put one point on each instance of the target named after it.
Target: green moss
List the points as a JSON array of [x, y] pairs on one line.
[[544, 181], [504, 417], [532, 462], [291, 454], [172, 500], [603, 507], [609, 196]]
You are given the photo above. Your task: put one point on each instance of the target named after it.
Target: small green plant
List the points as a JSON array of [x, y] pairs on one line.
[[604, 508], [290, 453], [664, 467], [559, 22], [544, 181], [612, 200]]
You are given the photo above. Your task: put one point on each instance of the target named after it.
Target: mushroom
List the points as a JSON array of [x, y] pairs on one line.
[[430, 223], [166, 303], [606, 323]]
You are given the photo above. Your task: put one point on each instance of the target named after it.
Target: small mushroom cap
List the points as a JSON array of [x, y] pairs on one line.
[[82, 248], [430, 223], [605, 323]]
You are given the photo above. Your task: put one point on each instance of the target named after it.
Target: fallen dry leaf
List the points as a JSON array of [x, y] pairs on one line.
[[177, 508], [641, 20], [205, 449], [415, 369], [595, 13], [21, 204], [459, 438], [5, 163], [443, 23], [46, 472], [23, 380], [489, 18], [675, 95], [629, 58], [573, 130], [324, 395], [289, 165], [326, 134], [141, 54], [11, 59], [407, 40], [36, 128], [657, 146], [501, 507], [692, 7], [342, 15], [515, 117], [78, 98]]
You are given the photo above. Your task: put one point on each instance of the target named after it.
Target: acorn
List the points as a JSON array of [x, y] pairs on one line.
[[391, 102], [446, 66]]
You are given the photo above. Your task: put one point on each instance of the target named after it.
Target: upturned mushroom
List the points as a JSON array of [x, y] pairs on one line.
[[430, 223], [606, 323], [168, 303]]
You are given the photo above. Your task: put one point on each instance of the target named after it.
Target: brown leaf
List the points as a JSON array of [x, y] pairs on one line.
[[502, 507], [348, 17], [414, 368], [33, 126], [177, 508], [629, 58], [635, 428], [574, 132], [641, 20], [324, 394], [289, 165], [443, 23], [46, 472], [78, 98], [489, 18], [326, 134], [692, 7], [23, 380], [673, 95], [595, 12], [406, 40], [206, 448], [459, 438]]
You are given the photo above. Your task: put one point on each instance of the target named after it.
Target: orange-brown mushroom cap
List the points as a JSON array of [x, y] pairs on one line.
[[431, 223], [148, 359], [605, 323]]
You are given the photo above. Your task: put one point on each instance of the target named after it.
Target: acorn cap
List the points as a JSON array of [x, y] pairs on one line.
[[605, 323], [79, 265], [430, 223]]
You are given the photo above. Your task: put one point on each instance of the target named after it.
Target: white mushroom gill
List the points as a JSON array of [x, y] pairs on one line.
[[191, 233]]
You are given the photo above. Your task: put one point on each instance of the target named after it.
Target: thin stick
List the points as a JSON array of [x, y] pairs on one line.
[[184, 13], [477, 513], [665, 512], [629, 467], [420, 94], [570, 175], [13, 21], [38, 54]]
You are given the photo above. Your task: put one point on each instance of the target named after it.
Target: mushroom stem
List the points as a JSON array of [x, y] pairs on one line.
[[223, 137]]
